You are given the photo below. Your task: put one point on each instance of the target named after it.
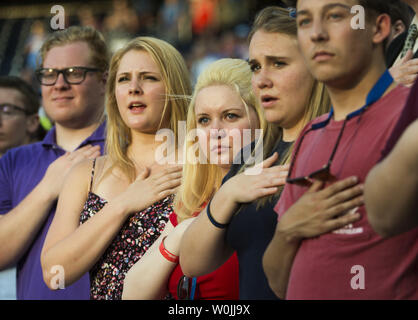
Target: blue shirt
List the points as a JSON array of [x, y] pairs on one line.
[[249, 233], [21, 169]]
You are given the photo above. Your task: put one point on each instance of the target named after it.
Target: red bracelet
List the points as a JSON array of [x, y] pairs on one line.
[[167, 254]]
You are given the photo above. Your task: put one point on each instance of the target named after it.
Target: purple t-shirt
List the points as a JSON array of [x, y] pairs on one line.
[[21, 169]]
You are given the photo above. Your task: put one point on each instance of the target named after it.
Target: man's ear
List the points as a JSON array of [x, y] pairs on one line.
[[104, 80], [382, 28]]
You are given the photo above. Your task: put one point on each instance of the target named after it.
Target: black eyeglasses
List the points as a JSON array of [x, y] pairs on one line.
[[72, 75], [324, 173], [186, 288], [8, 110]]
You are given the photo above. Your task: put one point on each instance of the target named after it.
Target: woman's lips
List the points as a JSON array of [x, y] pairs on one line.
[[137, 108], [268, 101]]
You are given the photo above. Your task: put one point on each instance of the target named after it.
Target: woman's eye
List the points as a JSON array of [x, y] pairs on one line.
[[231, 116], [303, 22], [121, 79], [203, 120]]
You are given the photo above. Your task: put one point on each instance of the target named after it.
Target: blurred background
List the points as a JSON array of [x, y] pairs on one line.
[[202, 30]]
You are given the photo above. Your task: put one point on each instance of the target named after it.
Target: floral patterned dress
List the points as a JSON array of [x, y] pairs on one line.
[[137, 234]]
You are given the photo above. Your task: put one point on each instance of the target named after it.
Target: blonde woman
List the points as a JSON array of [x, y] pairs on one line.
[[240, 216], [125, 197], [225, 113]]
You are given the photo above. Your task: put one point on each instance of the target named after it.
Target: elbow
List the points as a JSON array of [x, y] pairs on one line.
[[6, 262], [275, 287], [273, 279], [53, 275], [8, 257], [379, 223], [188, 267], [383, 228], [49, 280]]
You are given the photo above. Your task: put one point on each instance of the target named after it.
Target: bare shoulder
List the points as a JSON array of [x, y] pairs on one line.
[[80, 176]]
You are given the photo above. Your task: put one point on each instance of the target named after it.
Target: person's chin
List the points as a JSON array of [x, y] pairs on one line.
[[274, 117]]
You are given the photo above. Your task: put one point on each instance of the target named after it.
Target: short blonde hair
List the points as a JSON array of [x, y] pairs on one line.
[[201, 180], [178, 88], [99, 54]]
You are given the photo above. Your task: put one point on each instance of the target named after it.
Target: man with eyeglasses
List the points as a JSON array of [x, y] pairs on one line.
[[19, 125], [19, 120], [72, 74], [308, 259]]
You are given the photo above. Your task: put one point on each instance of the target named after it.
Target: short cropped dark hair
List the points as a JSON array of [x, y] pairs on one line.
[[29, 96], [400, 11]]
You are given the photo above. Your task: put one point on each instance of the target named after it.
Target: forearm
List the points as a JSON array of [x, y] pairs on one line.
[[203, 248], [19, 226], [80, 250], [148, 278], [277, 263]]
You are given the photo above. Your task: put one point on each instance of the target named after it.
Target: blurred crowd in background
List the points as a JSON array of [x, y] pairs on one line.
[[202, 30]]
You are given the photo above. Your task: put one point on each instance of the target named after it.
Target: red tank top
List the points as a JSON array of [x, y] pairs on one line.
[[221, 284]]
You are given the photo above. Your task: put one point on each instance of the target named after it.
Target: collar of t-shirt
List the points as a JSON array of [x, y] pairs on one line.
[[98, 135]]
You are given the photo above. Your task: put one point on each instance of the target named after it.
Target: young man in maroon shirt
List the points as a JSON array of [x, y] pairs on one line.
[[307, 258]]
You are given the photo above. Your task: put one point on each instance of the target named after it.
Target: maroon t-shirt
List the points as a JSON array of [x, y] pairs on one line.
[[353, 262]]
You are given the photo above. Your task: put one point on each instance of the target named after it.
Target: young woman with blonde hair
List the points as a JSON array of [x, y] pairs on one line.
[[125, 197], [223, 109]]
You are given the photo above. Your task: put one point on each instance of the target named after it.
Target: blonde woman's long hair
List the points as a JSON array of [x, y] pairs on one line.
[[275, 19], [202, 180], [175, 76]]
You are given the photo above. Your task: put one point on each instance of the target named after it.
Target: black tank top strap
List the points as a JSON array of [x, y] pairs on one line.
[[92, 174]]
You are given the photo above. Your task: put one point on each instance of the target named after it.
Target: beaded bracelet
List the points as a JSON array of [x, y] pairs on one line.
[[213, 221], [167, 254]]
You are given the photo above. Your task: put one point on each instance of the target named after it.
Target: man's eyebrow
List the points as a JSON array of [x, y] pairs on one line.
[[268, 58], [325, 8]]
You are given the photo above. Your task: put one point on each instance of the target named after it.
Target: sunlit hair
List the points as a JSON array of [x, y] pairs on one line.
[[275, 19], [202, 180], [99, 54], [177, 89]]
